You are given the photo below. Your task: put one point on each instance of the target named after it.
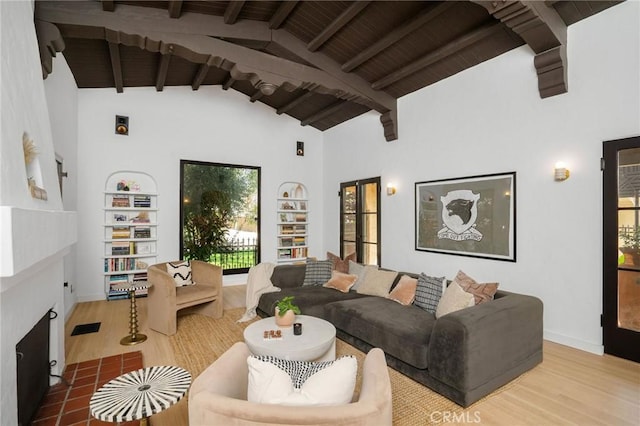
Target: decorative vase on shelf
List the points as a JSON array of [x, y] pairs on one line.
[[298, 192], [285, 320]]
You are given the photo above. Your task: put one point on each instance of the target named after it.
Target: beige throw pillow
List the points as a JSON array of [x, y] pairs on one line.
[[405, 291], [359, 270], [340, 281], [453, 299], [376, 282]]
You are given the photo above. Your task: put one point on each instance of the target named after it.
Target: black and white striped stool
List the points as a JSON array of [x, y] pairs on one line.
[[139, 394]]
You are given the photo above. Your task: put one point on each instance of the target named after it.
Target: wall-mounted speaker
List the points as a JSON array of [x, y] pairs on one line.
[[300, 148], [122, 125]]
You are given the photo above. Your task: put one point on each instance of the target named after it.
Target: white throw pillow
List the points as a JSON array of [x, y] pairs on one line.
[[453, 299], [180, 272], [276, 381]]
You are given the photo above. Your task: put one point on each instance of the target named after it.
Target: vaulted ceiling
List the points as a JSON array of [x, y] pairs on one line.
[[321, 62]]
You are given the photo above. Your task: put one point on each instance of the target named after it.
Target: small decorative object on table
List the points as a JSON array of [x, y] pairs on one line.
[[286, 311]]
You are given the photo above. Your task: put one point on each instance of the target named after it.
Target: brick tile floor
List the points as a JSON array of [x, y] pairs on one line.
[[66, 406]]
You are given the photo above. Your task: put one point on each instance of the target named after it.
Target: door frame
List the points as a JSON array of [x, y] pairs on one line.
[[359, 243], [616, 340]]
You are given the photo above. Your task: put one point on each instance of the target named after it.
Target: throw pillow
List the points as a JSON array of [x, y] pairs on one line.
[[481, 292], [341, 265], [180, 272], [278, 381], [359, 270], [376, 282], [453, 299], [429, 292], [340, 281], [317, 272], [405, 291]]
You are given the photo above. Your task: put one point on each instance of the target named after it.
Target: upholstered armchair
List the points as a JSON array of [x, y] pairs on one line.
[[165, 299], [218, 396]]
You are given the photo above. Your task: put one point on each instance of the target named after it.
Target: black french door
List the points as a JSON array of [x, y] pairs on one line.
[[360, 220], [621, 239]]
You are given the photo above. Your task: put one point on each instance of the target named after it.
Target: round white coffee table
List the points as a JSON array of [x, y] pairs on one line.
[[316, 343]]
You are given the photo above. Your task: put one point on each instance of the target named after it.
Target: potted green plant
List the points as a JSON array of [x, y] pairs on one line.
[[630, 244], [286, 311]]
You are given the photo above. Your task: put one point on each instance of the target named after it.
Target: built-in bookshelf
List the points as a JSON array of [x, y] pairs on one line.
[[130, 230], [292, 223]]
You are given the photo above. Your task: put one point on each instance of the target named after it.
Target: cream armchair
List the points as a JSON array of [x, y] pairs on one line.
[[165, 299], [218, 396]]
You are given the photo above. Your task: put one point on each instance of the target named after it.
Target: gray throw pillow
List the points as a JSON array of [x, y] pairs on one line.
[[317, 272], [428, 292]]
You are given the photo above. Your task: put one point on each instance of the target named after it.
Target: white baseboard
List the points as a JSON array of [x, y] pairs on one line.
[[574, 343]]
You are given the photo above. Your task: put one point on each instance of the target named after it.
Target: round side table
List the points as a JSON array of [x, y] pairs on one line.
[[134, 337], [139, 394]]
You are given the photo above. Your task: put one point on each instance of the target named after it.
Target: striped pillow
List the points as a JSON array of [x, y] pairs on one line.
[[317, 272], [180, 272], [428, 292]]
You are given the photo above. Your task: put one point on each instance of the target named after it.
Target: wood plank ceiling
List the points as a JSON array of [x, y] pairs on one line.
[[321, 62]]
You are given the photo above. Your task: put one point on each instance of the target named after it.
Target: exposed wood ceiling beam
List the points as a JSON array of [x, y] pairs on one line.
[[203, 70], [294, 102], [163, 69], [396, 35], [542, 28], [228, 83], [256, 95], [116, 66], [175, 8], [232, 11], [197, 39], [323, 113], [281, 14], [456, 45], [49, 43], [337, 24], [108, 5]]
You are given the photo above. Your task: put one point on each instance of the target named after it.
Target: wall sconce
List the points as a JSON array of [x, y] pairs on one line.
[[391, 189], [561, 172]]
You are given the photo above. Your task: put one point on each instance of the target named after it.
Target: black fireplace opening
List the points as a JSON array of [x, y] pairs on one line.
[[33, 368]]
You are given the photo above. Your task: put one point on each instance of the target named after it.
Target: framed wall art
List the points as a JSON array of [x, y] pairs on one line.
[[470, 216]]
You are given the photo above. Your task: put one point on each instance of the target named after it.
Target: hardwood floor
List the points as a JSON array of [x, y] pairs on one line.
[[569, 387]]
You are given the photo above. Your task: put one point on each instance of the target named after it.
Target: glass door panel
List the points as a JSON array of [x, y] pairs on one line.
[[360, 220]]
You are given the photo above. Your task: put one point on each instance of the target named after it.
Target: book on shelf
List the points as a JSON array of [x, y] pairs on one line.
[[299, 241], [118, 279], [142, 232], [140, 276], [142, 201], [120, 201], [121, 248], [286, 241], [120, 232]]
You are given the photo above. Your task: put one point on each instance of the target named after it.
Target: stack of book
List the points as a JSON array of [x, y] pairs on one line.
[[142, 201], [120, 201], [142, 232], [122, 248], [299, 241], [117, 294], [120, 232]]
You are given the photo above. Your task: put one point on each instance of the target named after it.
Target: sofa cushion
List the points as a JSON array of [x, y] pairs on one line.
[[341, 281], [317, 272], [401, 331], [429, 292], [341, 265], [310, 299], [360, 270], [454, 299], [405, 291], [377, 282], [481, 292], [277, 381], [285, 276]]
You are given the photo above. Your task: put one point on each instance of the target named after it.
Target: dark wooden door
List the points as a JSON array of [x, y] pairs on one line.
[[360, 220], [621, 238]]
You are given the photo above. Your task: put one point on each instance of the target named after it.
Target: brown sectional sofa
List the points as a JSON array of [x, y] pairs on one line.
[[464, 355]]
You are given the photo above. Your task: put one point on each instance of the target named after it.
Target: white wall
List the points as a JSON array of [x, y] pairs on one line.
[[35, 233], [164, 127], [490, 119], [62, 101]]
